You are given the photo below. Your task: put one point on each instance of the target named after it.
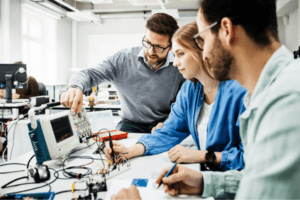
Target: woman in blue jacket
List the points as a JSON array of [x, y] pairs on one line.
[[205, 108]]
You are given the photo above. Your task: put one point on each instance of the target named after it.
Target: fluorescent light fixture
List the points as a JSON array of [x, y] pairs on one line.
[[97, 1], [147, 2], [41, 9]]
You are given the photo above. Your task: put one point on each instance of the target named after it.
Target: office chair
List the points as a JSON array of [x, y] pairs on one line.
[[42, 89]]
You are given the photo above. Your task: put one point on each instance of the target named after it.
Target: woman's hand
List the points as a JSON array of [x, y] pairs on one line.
[[181, 154], [118, 149], [159, 125]]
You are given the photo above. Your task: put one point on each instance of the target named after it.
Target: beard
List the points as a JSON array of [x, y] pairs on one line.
[[221, 62], [155, 62]]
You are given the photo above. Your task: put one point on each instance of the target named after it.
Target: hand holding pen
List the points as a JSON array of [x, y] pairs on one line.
[[167, 174], [181, 180]]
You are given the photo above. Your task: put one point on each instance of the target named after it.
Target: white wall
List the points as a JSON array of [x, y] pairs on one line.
[[292, 31], [13, 52], [15, 31], [64, 50], [4, 29], [281, 30], [1, 36], [289, 33], [84, 29]]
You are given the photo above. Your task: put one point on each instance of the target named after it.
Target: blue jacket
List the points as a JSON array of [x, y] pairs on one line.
[[223, 126]]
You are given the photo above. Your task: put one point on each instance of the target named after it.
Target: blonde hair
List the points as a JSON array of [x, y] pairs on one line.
[[184, 37]]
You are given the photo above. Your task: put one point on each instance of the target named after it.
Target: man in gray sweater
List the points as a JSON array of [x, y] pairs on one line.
[[145, 78]]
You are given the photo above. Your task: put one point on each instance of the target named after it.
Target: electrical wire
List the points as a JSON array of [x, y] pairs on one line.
[[77, 167], [5, 186], [99, 150], [3, 159], [29, 161], [76, 190], [3, 128], [47, 184], [82, 148], [12, 171], [13, 142]]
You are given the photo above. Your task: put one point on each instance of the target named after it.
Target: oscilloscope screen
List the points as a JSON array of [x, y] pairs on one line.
[[61, 128]]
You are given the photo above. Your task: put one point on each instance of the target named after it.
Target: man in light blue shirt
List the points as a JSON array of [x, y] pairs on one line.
[[145, 78], [239, 39]]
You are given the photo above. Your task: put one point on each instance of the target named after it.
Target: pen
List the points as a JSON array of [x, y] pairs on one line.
[[167, 174], [112, 149]]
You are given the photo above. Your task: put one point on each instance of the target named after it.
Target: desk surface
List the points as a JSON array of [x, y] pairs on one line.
[[13, 105], [142, 167], [56, 84], [97, 106]]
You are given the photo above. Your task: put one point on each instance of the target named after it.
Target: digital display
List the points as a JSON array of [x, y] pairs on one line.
[[61, 128]]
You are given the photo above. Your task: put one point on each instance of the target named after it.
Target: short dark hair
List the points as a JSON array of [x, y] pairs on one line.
[[163, 24], [257, 17]]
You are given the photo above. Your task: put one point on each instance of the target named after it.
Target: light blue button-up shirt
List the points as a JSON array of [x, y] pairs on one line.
[[270, 133]]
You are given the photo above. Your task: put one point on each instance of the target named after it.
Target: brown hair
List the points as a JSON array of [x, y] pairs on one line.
[[184, 37], [18, 62], [259, 25], [162, 24]]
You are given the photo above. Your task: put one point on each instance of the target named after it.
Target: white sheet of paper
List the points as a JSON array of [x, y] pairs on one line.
[[149, 192]]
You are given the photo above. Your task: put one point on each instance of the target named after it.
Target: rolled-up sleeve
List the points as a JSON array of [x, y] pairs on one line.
[[233, 158], [218, 183]]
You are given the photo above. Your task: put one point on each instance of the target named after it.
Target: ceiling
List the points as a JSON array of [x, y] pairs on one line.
[[98, 10]]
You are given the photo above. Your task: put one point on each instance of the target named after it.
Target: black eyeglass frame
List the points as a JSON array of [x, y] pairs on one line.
[[155, 46]]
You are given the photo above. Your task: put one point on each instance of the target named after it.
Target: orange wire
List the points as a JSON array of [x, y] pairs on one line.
[[73, 185]]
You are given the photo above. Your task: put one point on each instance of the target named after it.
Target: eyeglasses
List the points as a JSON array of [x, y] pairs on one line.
[[156, 48], [198, 40]]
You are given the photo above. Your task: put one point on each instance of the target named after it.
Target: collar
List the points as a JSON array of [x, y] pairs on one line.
[[170, 59], [278, 61]]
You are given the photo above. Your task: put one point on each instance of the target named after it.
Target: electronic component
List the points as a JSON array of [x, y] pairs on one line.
[[40, 173], [82, 124], [140, 182], [115, 135], [55, 136], [117, 171], [37, 101], [37, 196]]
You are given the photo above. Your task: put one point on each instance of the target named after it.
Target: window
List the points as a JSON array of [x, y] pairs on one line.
[[39, 44]]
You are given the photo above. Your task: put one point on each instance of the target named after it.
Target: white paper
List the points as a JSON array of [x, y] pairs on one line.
[[149, 192]]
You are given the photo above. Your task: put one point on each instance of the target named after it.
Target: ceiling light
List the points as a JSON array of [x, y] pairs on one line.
[[147, 2], [97, 1]]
